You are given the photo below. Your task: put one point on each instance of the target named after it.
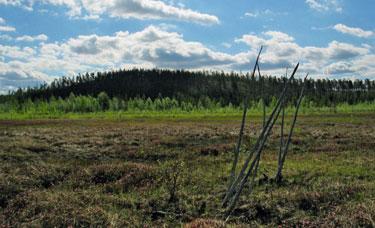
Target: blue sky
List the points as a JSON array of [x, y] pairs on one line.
[[44, 39]]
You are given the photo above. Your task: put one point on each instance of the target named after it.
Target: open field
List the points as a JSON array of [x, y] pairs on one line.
[[156, 171]]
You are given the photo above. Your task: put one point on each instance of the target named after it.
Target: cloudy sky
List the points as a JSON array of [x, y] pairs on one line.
[[44, 39]]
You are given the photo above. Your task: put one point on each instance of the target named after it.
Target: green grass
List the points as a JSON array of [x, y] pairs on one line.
[[216, 113], [102, 107]]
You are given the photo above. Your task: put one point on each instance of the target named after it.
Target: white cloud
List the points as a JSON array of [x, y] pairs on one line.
[[269, 14], [251, 14], [365, 65], [138, 9], [353, 31], [20, 3], [5, 28], [339, 51], [151, 47], [26, 38], [15, 52], [226, 45], [279, 36], [153, 9], [5, 37], [11, 79], [282, 51], [10, 2], [325, 5], [15, 74], [269, 37], [340, 68]]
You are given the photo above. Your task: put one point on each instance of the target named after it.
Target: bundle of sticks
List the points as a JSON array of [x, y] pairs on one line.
[[248, 172]]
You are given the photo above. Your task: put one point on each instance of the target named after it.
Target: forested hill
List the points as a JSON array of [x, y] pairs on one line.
[[192, 86]]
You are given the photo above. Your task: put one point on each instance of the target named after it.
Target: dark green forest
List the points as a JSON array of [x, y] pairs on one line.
[[225, 88]]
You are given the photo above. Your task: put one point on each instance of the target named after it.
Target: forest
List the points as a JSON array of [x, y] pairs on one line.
[[195, 86]]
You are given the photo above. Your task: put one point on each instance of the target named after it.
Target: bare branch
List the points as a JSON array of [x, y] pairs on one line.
[[285, 151], [238, 147], [262, 95]]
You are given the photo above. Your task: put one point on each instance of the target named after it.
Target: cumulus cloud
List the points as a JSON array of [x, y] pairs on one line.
[[27, 5], [155, 9], [14, 79], [325, 5], [269, 38], [138, 9], [340, 68], [26, 38], [13, 76], [4, 27], [353, 31], [5, 37], [10, 2], [264, 13], [282, 51], [151, 47], [339, 51], [15, 52], [156, 46]]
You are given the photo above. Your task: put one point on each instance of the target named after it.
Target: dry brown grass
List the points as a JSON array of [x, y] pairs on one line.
[[109, 173]]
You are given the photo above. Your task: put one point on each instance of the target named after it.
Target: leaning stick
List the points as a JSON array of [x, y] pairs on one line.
[[239, 142], [282, 127], [285, 151], [262, 95], [281, 135], [254, 175]]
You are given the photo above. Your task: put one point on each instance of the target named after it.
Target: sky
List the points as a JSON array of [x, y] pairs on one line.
[[41, 40]]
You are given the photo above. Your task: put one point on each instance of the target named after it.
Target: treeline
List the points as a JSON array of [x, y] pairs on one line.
[[222, 88], [102, 103]]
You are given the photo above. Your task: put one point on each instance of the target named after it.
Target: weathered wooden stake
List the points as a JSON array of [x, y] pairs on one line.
[[263, 97], [239, 142], [278, 177]]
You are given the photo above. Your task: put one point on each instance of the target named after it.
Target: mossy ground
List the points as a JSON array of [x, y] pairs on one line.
[[157, 172]]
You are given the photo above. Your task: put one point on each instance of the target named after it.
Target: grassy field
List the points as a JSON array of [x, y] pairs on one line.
[[173, 171]]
